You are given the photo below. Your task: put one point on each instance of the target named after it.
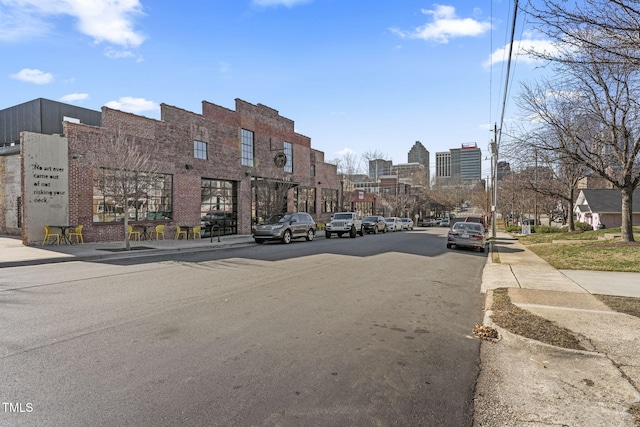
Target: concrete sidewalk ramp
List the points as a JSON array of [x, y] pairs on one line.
[[534, 384], [612, 334]]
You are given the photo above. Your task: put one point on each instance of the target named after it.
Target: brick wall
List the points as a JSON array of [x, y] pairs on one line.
[[170, 142]]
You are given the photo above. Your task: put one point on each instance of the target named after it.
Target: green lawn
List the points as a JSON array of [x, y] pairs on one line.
[[586, 252]]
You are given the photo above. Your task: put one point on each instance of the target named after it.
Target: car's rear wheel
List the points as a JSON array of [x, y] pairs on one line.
[[482, 249], [361, 232], [352, 233], [286, 237], [259, 241], [310, 235], [327, 234], [448, 246]]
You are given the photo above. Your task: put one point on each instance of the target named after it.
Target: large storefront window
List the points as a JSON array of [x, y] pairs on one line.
[[268, 197], [138, 195], [306, 199], [219, 205], [329, 200]]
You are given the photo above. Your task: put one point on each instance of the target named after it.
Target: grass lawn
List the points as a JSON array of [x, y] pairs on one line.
[[586, 252]]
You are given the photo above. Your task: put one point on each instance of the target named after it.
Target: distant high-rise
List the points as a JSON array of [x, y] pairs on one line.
[[419, 154], [459, 164], [379, 167]]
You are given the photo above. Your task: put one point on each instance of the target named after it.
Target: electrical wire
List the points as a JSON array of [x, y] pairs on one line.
[[506, 84]]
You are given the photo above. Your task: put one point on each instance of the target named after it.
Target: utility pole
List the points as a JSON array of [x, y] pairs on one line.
[[494, 164], [535, 183]]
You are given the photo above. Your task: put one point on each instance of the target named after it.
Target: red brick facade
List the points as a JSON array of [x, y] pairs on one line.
[[171, 142]]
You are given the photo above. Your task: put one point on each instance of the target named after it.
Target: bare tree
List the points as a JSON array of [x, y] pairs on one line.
[[348, 165], [554, 175], [597, 58], [127, 173], [270, 197], [369, 155]]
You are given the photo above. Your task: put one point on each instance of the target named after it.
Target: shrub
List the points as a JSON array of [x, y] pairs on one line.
[[547, 229], [583, 226], [513, 229]]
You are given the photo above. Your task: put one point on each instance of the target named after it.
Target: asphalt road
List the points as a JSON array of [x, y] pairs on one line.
[[368, 331]]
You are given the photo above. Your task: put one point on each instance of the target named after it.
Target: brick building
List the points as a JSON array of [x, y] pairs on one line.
[[232, 167]]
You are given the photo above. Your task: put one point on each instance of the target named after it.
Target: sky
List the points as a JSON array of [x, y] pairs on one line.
[[355, 76]]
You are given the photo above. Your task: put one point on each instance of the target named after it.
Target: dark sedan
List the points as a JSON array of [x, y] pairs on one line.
[[374, 224]]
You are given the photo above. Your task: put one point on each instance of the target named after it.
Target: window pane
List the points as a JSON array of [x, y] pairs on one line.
[[148, 196], [288, 151], [200, 150], [219, 206], [247, 147]]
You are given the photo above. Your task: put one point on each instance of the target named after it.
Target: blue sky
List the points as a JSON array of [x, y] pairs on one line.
[[354, 75]]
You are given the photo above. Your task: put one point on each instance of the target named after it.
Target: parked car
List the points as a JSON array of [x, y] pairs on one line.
[[344, 223], [407, 223], [467, 234], [429, 222], [374, 224], [438, 221], [444, 223], [393, 223], [285, 227]]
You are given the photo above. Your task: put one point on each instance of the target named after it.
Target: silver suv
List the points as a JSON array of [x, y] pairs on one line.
[[285, 227], [344, 223]]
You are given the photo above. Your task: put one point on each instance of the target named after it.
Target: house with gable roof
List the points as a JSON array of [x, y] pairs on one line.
[[604, 206]]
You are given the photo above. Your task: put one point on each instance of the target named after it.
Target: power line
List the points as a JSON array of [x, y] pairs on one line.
[[506, 84]]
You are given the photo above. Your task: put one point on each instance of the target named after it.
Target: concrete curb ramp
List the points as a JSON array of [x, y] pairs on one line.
[[527, 383]]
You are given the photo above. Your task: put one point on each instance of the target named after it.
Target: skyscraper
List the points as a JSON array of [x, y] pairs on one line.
[[419, 154], [379, 167], [462, 164]]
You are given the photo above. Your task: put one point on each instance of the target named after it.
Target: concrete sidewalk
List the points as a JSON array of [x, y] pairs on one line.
[[13, 253], [526, 383]]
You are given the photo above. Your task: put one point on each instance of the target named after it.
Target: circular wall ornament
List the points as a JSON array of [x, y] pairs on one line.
[[280, 160]]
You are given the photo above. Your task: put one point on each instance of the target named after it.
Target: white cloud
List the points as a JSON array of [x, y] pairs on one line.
[[286, 3], [110, 21], [445, 25], [20, 24], [133, 105], [521, 49], [118, 54], [33, 76], [73, 97]]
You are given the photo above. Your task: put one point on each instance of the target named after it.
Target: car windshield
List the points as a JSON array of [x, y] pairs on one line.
[[343, 216], [370, 218], [405, 219], [274, 219], [390, 219]]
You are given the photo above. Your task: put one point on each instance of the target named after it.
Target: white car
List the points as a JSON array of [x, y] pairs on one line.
[[393, 223], [407, 223]]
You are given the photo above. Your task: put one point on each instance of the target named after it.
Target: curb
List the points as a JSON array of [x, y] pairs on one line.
[[117, 255]]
